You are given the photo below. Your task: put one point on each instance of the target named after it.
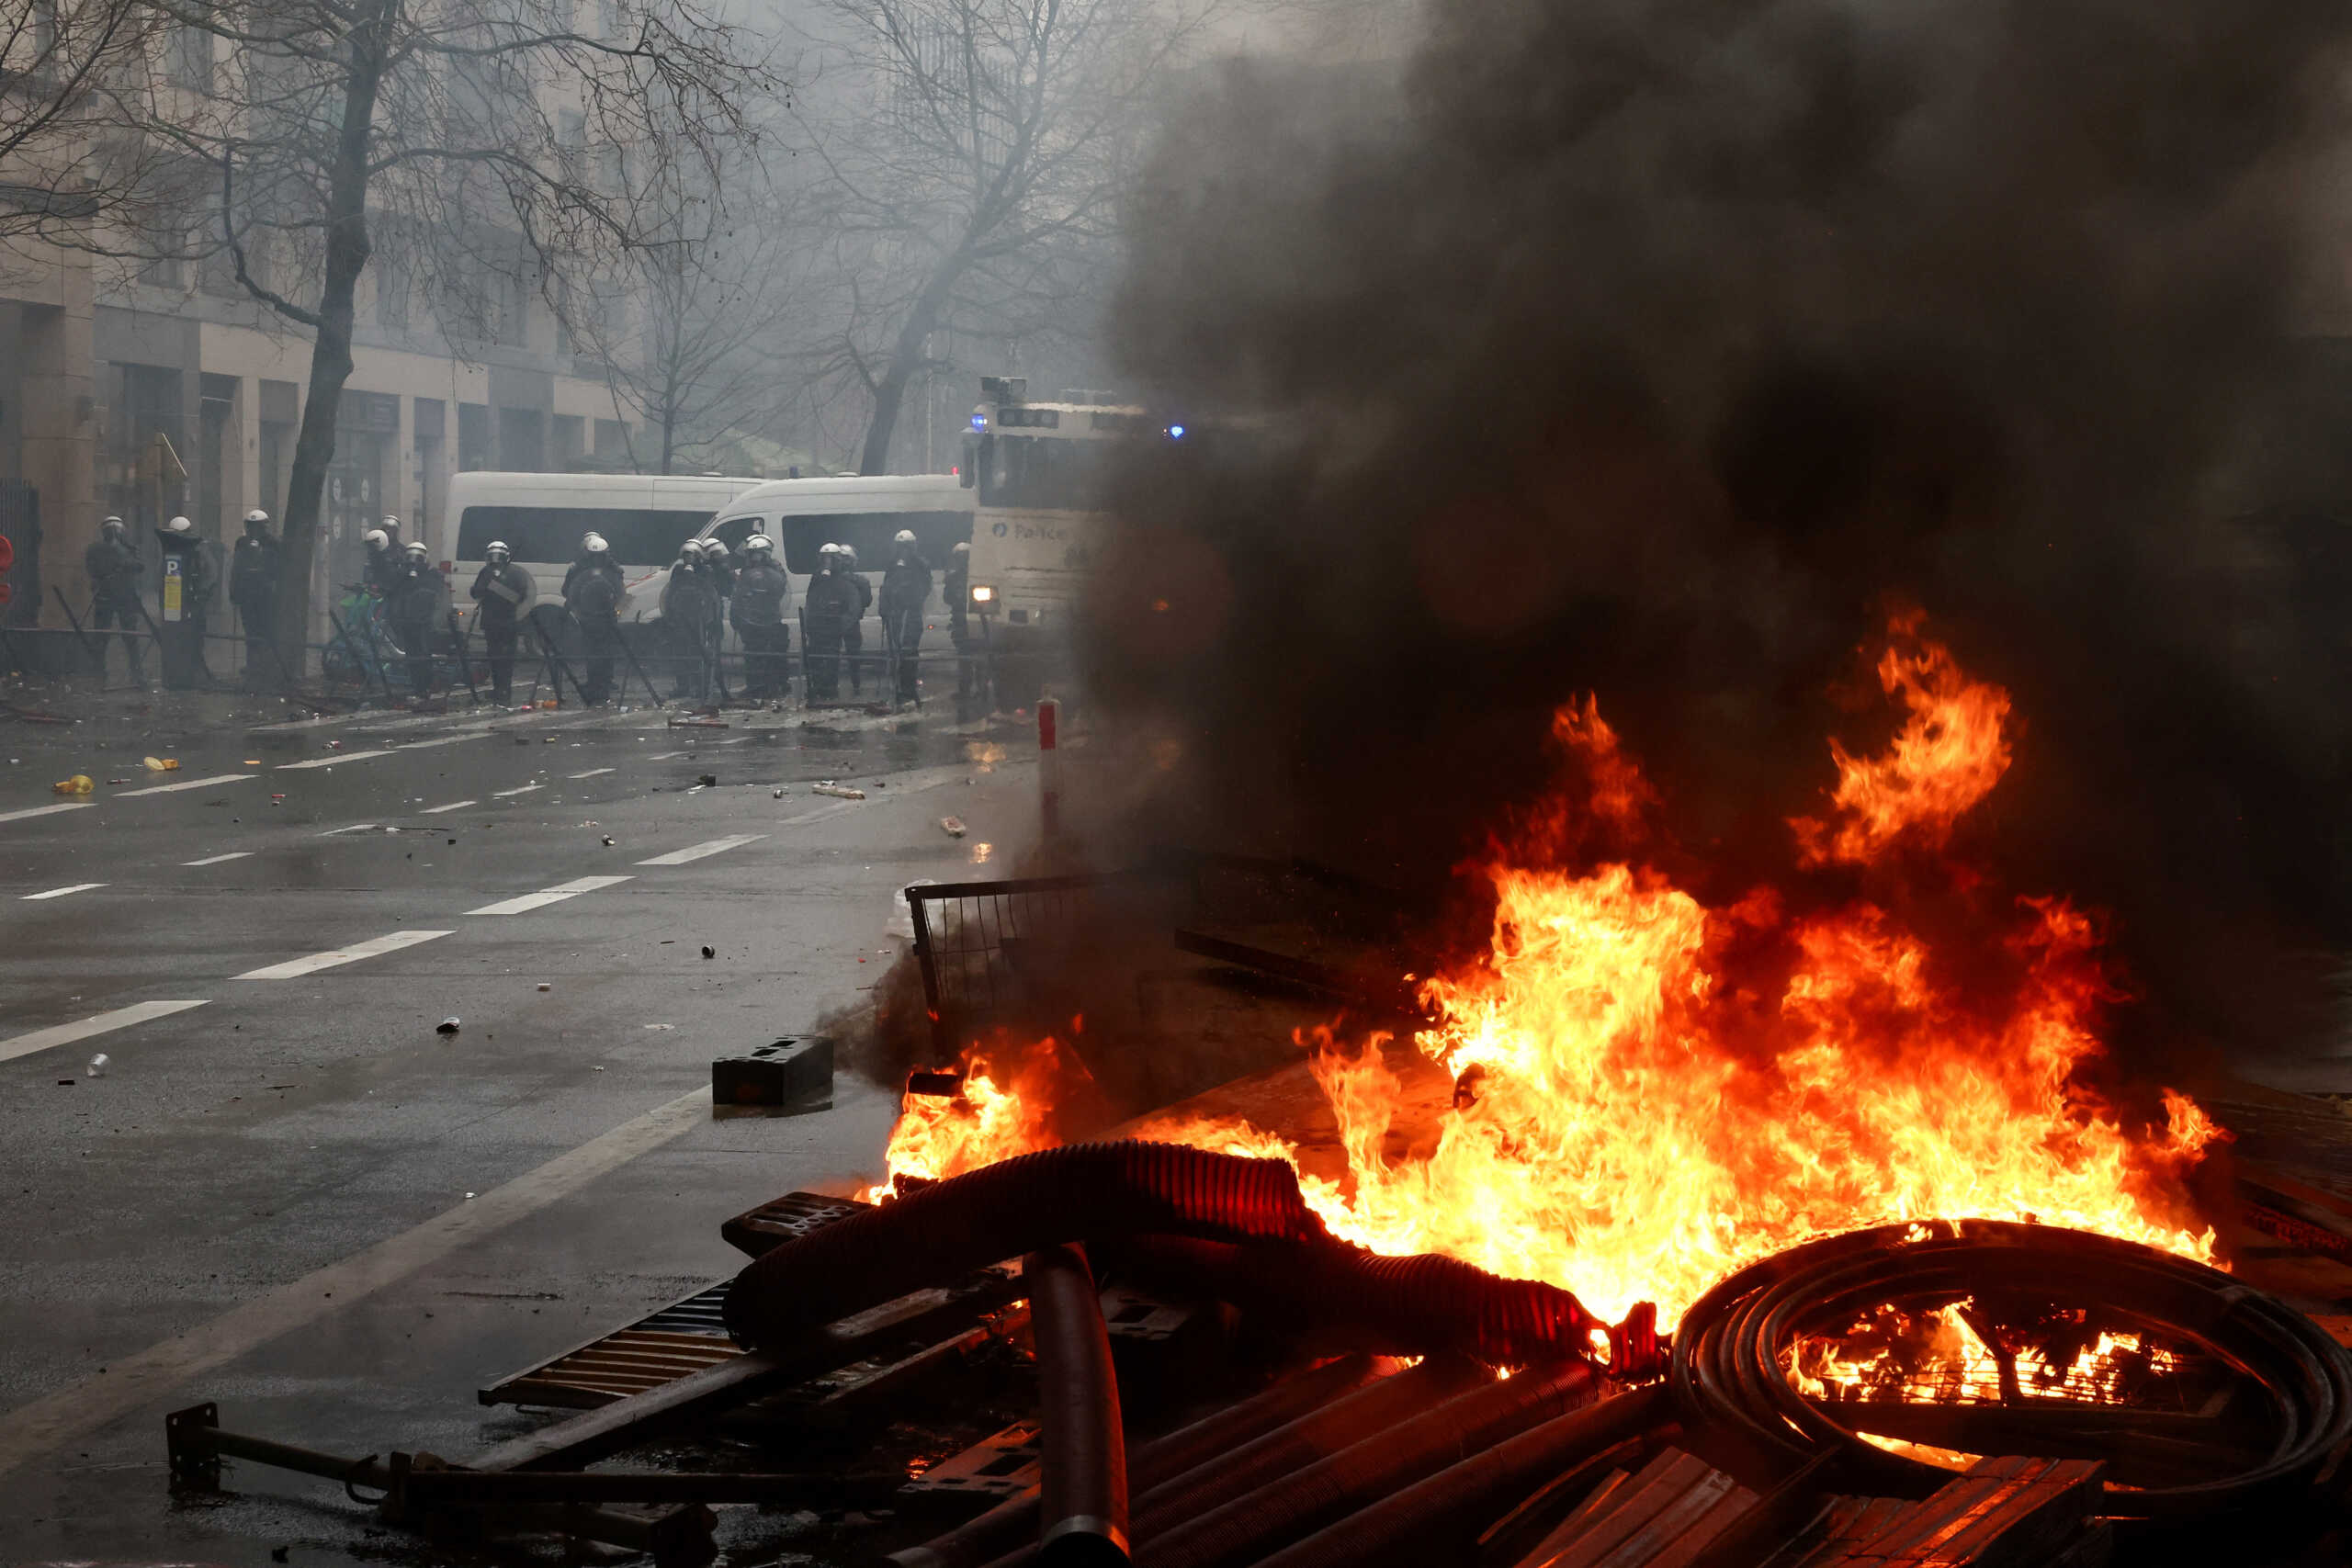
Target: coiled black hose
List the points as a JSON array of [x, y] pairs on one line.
[[1098, 1191], [1729, 1355]]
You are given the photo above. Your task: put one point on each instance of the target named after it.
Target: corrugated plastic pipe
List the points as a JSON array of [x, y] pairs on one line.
[[1082, 1488]]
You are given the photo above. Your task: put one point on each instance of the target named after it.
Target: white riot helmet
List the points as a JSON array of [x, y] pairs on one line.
[[496, 550], [594, 545], [376, 540], [903, 536], [416, 549], [110, 522], [849, 555], [715, 547], [828, 556], [392, 523], [179, 525], [257, 516], [758, 545]]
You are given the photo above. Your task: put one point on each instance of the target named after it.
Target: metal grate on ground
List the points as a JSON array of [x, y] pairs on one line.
[[685, 1337]]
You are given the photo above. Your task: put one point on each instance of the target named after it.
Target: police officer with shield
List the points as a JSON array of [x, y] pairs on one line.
[[505, 592]]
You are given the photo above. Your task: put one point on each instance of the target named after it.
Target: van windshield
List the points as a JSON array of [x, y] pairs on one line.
[[638, 536]]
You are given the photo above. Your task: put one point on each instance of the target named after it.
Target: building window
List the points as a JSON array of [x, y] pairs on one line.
[[612, 441], [473, 437], [570, 441], [522, 441], [189, 63]]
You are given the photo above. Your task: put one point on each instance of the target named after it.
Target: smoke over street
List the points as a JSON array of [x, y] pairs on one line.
[[1655, 349]]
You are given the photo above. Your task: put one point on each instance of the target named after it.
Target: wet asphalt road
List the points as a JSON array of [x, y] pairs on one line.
[[294, 1196]]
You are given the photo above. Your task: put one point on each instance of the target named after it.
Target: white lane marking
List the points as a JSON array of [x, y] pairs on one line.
[[547, 895], [60, 892], [185, 784], [832, 810], [101, 1023], [354, 828], [444, 740], [44, 810], [592, 772], [295, 968], [216, 860], [453, 806], [665, 756], [697, 851], [331, 762], [132, 1382], [524, 789]]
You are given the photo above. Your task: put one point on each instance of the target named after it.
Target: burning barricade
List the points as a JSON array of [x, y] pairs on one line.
[[1783, 1223]]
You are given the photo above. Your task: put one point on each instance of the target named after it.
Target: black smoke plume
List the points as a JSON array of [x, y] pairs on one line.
[[1655, 347]]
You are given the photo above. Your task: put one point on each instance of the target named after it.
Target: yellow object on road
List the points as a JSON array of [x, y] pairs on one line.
[[80, 784], [162, 764]]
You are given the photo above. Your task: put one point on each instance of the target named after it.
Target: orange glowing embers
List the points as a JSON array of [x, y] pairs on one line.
[[1666, 1091]]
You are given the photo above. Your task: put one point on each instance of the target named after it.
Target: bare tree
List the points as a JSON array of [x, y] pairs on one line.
[[675, 320], [461, 125], [60, 61], [976, 152]]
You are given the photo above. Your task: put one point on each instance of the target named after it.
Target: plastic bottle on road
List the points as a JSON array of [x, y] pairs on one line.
[[98, 1066]]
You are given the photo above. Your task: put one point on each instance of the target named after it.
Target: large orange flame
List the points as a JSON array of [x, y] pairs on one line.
[[1665, 1092]]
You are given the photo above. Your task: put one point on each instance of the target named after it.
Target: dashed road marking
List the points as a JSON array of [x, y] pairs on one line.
[[185, 784], [547, 895], [453, 806], [66, 1034], [354, 828], [331, 762], [216, 860], [296, 967], [134, 1381], [665, 756], [832, 810], [520, 789], [592, 772], [60, 892], [44, 810], [699, 852]]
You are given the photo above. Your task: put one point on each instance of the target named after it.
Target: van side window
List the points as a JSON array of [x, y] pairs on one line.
[[869, 534], [638, 537], [735, 530]]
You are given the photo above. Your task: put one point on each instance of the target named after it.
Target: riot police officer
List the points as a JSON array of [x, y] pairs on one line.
[[505, 591], [826, 611], [757, 606], [414, 605], [689, 605], [382, 563], [906, 589], [593, 589], [253, 589], [114, 567]]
